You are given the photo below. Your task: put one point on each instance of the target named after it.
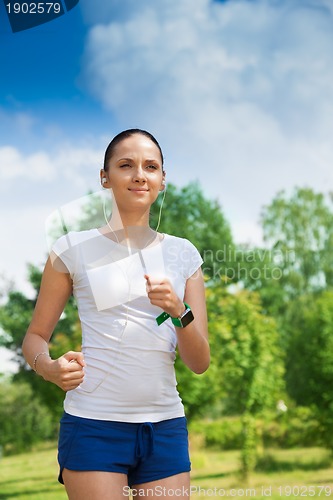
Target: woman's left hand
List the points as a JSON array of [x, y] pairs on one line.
[[162, 294]]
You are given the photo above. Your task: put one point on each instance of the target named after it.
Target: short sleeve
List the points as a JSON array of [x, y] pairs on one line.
[[192, 258], [62, 254]]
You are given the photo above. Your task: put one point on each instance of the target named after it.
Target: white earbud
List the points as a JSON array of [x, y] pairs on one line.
[[104, 180]]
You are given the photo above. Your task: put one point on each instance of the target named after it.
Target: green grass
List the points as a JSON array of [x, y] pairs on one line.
[[292, 474], [284, 474]]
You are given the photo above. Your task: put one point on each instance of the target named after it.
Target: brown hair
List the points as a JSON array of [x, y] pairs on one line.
[[124, 135]]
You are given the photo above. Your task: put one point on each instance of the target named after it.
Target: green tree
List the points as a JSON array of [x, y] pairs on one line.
[[244, 344], [260, 270], [300, 230], [15, 316], [310, 357], [199, 393], [24, 420], [298, 254]]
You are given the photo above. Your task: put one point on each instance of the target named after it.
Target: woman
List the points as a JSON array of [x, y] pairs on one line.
[[139, 294]]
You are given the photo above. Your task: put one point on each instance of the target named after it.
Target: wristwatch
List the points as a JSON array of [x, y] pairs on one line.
[[185, 318]]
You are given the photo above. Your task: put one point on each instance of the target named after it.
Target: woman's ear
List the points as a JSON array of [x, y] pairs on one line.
[[163, 183], [104, 179]]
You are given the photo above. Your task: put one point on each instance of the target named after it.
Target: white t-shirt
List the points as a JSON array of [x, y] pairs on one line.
[[129, 373]]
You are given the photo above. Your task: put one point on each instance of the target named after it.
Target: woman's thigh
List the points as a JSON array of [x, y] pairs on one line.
[[177, 486], [95, 485]]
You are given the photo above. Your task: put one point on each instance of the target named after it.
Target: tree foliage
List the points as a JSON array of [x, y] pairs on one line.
[[244, 342], [245, 347], [24, 420], [310, 356], [15, 317], [300, 228]]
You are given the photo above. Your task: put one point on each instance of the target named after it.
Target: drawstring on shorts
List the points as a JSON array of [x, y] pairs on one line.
[[144, 441]]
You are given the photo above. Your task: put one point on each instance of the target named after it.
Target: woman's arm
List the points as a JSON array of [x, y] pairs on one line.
[[56, 288], [193, 343]]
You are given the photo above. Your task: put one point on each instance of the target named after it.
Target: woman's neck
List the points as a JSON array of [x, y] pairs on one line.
[[121, 221], [135, 237]]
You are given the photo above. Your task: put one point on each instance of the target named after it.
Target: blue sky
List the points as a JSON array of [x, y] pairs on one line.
[[239, 94]]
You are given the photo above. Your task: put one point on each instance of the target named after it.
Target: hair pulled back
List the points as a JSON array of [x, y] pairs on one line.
[[124, 135]]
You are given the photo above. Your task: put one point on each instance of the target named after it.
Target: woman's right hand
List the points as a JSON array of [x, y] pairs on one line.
[[67, 372]]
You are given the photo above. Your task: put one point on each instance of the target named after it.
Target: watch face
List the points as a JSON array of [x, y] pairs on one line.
[[187, 318]]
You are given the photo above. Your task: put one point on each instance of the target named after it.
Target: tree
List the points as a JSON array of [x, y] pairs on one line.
[[15, 316], [298, 253], [260, 270], [300, 228], [24, 420], [244, 345], [199, 393], [310, 357]]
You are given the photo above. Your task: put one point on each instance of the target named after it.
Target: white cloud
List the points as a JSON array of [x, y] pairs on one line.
[[32, 188], [13, 164], [76, 163], [23, 241], [240, 92], [68, 162]]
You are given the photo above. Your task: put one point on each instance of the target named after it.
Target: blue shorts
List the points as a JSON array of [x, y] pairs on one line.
[[144, 452]]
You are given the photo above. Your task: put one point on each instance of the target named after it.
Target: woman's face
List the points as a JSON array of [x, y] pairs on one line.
[[135, 173]]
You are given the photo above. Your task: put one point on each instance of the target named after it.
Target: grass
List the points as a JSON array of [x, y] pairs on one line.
[[289, 474]]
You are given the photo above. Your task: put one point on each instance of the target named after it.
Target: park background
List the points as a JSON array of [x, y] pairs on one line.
[[239, 95]]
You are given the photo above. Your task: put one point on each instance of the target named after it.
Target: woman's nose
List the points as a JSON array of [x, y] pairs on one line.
[[139, 175]]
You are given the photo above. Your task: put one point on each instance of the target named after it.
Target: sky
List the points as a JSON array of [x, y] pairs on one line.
[[239, 94]]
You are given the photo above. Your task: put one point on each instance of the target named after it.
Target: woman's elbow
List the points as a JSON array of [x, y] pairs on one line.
[[202, 367], [201, 364]]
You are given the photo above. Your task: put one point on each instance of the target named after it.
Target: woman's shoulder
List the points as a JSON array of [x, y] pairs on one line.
[[180, 242], [184, 251], [176, 239], [72, 239]]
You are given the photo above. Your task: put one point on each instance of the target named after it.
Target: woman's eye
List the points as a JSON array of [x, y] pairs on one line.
[[152, 167], [125, 165]]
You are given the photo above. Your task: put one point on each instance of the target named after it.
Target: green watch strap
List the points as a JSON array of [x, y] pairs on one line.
[[164, 316], [177, 321]]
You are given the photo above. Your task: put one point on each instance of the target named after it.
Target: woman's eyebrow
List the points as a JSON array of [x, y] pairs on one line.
[[146, 161], [125, 159]]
